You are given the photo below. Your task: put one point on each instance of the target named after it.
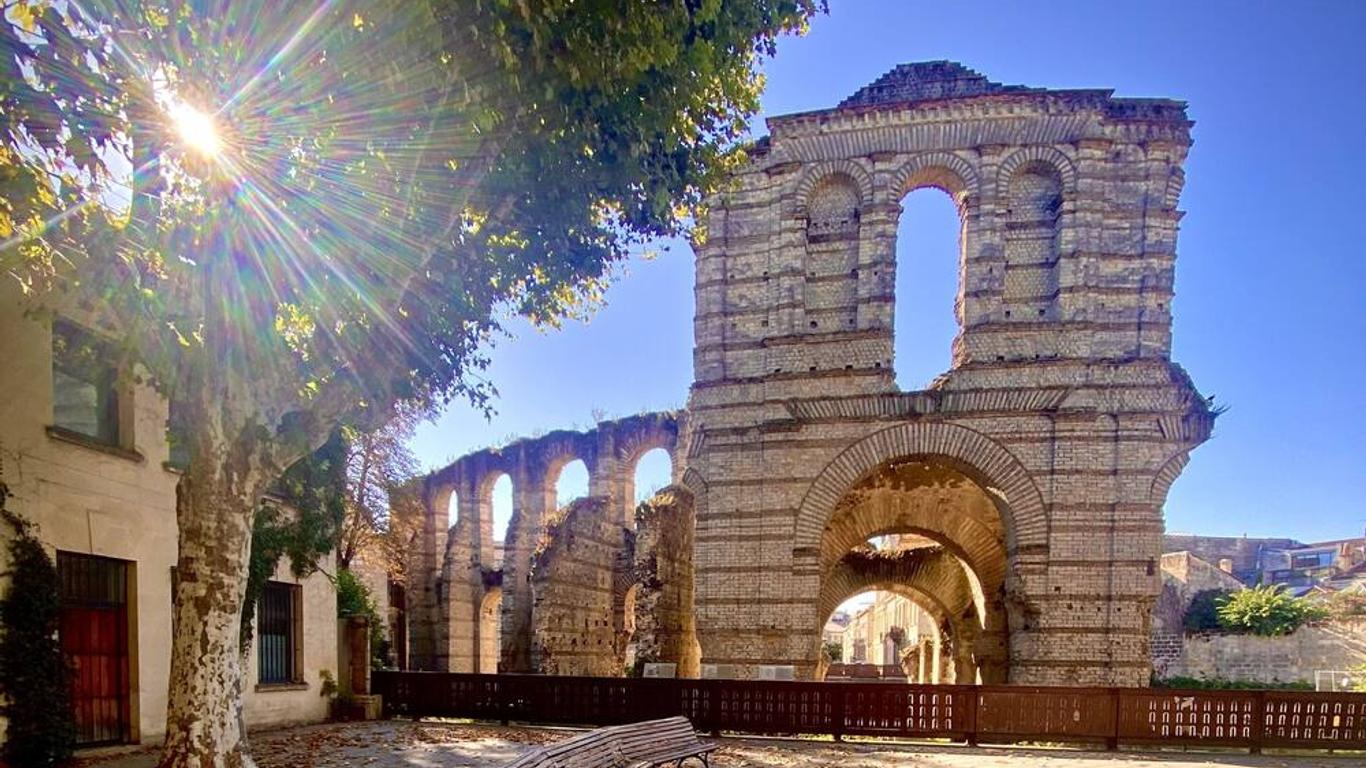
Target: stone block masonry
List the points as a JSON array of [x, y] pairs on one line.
[[665, 624], [1039, 461]]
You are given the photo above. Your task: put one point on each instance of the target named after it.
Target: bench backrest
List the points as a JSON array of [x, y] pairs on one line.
[[613, 745], [653, 737]]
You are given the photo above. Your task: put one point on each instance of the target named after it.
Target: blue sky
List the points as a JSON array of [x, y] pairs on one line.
[[1270, 312]]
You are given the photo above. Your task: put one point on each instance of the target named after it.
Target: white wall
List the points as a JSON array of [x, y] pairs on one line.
[[87, 501]]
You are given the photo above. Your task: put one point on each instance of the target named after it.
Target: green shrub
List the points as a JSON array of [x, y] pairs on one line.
[[834, 652], [1203, 612], [354, 599], [1223, 684], [1266, 610], [34, 676]]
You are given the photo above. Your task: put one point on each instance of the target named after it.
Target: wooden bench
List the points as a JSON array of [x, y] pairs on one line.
[[670, 741]]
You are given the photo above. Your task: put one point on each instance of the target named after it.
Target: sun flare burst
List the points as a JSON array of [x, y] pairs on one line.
[[196, 129]]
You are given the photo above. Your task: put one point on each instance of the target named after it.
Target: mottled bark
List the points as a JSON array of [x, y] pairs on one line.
[[215, 502]]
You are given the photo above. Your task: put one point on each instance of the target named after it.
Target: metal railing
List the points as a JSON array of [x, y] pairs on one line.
[[974, 714]]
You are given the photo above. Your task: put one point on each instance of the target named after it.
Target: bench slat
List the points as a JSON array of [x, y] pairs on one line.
[[635, 744]]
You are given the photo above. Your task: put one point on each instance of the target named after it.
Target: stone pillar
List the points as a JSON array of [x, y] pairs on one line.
[[463, 583], [528, 513]]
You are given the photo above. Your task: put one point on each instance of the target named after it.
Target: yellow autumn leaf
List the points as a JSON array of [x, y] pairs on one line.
[[22, 14]]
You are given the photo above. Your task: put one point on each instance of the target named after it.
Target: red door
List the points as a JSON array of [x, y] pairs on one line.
[[94, 635]]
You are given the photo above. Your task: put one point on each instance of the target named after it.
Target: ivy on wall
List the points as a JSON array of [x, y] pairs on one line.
[[315, 489], [34, 676]]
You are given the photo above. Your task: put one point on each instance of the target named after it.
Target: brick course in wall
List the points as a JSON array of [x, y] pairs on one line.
[[1062, 408], [665, 624]]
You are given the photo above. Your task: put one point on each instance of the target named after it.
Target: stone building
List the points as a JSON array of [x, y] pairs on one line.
[[1335, 647], [894, 631], [83, 450], [1038, 463]]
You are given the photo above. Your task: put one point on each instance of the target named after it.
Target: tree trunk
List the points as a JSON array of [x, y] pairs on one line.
[[215, 503]]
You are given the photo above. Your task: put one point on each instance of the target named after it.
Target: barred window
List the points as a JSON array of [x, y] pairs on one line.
[[278, 634]]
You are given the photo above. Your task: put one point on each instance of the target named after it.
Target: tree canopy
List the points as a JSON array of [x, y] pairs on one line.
[[390, 176], [293, 216]]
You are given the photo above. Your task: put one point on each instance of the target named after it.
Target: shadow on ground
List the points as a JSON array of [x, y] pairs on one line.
[[399, 744]]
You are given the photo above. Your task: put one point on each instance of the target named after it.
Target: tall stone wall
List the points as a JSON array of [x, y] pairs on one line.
[[573, 573], [1330, 646], [1062, 401], [665, 624], [1062, 407], [467, 596]]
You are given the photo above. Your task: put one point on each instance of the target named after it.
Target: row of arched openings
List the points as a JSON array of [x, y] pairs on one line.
[[930, 261], [652, 472]]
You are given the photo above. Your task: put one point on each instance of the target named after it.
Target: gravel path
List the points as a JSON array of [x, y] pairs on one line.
[[396, 744]]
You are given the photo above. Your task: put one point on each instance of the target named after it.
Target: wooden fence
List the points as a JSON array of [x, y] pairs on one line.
[[974, 714]]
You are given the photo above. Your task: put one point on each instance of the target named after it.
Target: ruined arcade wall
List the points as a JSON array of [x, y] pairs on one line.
[[665, 623], [573, 576], [1062, 402]]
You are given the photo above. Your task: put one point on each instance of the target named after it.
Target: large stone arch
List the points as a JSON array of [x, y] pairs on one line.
[[969, 538], [976, 455], [1166, 475], [936, 580], [940, 170], [930, 572]]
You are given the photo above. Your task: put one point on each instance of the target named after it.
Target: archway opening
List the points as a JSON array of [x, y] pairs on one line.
[[921, 527], [500, 508], [490, 626], [928, 275], [886, 633], [453, 511], [572, 483], [653, 471]]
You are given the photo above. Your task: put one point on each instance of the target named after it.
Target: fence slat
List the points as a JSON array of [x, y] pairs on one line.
[[999, 714]]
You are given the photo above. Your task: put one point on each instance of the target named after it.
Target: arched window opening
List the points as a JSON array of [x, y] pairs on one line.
[[501, 506], [928, 274], [490, 624], [572, 483], [453, 510], [654, 471]]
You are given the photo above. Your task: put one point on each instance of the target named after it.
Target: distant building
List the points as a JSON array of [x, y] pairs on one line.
[[1301, 568], [893, 631]]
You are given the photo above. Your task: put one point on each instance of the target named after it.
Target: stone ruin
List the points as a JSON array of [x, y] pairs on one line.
[[1032, 472]]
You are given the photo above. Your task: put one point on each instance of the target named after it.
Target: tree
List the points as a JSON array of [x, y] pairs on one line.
[[376, 524], [834, 652], [298, 224], [1266, 609]]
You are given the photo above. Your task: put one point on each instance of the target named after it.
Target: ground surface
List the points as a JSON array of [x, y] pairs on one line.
[[395, 744]]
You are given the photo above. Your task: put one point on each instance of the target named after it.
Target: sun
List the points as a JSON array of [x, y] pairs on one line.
[[196, 129]]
